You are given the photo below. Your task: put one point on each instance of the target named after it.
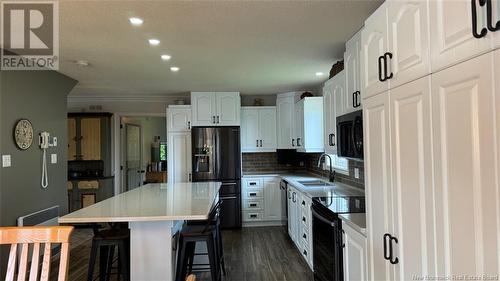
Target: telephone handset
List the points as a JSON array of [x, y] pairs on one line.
[[44, 145]]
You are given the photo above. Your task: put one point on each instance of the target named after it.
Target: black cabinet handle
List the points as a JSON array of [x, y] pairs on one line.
[[304, 236], [217, 119], [213, 119], [355, 99], [253, 216], [381, 78], [253, 194], [342, 234], [253, 205], [489, 17], [303, 203], [253, 183], [474, 19], [293, 142], [257, 143], [387, 58], [304, 219], [386, 240], [330, 140], [189, 125], [298, 142], [395, 260], [260, 143], [293, 197], [305, 253], [333, 139]]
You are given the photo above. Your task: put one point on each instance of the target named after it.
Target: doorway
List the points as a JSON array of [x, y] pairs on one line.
[[142, 149]]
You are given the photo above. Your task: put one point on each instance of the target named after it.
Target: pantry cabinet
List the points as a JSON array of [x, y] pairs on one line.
[[395, 45], [215, 108], [258, 129], [179, 118], [452, 33], [466, 168]]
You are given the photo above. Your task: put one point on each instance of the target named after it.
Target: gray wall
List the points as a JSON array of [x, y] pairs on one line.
[[39, 96]]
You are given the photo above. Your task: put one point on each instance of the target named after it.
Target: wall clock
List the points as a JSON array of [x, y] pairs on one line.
[[23, 134]]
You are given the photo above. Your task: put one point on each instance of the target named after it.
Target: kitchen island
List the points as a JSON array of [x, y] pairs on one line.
[[153, 211]]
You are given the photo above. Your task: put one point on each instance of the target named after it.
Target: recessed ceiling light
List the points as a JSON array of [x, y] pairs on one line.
[[136, 21], [154, 42], [319, 73], [82, 63], [166, 57], [174, 69]]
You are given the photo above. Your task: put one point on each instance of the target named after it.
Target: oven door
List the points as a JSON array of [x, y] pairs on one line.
[[327, 252]]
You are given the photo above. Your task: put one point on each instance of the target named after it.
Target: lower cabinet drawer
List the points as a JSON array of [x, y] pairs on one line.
[[252, 193], [304, 219], [304, 236], [253, 204], [305, 252], [252, 216]]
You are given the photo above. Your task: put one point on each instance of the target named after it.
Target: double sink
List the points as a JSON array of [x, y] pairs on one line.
[[333, 189]]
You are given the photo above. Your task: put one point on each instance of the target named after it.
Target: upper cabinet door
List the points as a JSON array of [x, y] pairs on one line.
[[90, 131], [451, 32], [179, 118], [267, 129], [329, 115], [299, 124], [249, 129], [228, 109], [373, 48], [412, 191], [408, 40], [285, 121], [376, 126], [352, 72], [203, 108], [466, 170]]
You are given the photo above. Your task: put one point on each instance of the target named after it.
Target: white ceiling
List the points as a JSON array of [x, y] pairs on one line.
[[255, 47]]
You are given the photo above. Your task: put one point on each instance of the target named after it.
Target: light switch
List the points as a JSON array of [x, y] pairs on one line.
[[356, 173], [53, 158], [6, 161]]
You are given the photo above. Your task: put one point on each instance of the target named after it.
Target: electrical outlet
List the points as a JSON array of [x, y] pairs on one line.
[[54, 141], [6, 161], [356, 173], [53, 158]]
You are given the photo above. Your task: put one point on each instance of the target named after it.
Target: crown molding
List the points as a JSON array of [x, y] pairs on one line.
[[128, 98]]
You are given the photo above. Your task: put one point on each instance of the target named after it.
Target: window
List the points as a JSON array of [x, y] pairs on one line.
[[340, 164]]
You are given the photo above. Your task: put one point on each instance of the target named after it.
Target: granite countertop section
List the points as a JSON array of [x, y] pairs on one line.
[[356, 221], [152, 202]]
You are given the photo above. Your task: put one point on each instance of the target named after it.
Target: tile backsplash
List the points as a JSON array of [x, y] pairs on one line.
[[268, 162]]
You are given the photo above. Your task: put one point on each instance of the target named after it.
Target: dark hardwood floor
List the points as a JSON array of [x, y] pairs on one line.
[[252, 254]]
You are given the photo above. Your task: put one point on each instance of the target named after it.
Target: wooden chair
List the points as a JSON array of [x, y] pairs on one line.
[[35, 235], [191, 277]]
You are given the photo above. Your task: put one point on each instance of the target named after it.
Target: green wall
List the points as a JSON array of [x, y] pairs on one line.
[[41, 97]]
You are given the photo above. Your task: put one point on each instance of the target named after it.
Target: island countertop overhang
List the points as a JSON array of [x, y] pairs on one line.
[[152, 202]]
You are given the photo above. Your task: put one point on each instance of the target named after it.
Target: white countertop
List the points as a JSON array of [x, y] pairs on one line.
[[355, 221], [152, 202]]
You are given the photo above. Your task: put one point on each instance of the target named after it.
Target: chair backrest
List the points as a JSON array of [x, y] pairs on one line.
[[35, 235], [191, 277]]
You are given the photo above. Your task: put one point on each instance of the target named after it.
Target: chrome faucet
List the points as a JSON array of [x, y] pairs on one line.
[[331, 176]]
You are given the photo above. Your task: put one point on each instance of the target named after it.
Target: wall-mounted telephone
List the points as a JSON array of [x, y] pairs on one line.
[[44, 140], [44, 145]]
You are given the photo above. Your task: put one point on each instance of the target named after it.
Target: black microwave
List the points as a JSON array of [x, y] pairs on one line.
[[350, 135]]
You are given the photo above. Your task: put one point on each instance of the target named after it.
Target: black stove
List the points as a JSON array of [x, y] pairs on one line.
[[328, 241]]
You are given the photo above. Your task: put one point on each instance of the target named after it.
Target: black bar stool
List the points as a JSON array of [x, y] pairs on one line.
[[207, 231], [105, 241]]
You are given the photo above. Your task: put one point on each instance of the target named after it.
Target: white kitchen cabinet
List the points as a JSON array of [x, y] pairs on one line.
[[258, 129], [179, 118], [412, 194], [466, 168], [293, 215], [451, 32], [352, 72], [309, 128], [376, 126], [354, 254], [285, 112], [179, 156], [261, 201], [395, 45], [408, 40], [272, 199], [300, 223], [333, 106], [215, 108], [373, 46]]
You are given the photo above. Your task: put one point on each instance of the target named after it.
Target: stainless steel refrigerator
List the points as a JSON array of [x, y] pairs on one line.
[[217, 157]]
